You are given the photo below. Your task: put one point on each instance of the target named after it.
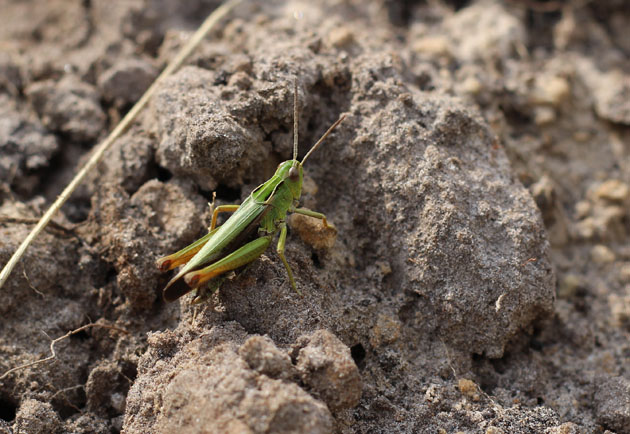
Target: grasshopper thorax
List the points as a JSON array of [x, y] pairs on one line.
[[291, 174]]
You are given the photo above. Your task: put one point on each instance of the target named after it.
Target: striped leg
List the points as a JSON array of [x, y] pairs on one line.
[[244, 255], [281, 242]]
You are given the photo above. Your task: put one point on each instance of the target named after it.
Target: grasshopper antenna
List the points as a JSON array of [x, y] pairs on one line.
[[295, 122], [319, 142]]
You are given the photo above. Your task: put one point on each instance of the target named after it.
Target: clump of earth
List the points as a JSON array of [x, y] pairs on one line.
[[479, 186]]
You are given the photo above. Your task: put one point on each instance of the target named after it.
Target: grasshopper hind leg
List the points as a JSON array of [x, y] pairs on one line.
[[176, 290], [207, 280], [203, 293], [242, 256]]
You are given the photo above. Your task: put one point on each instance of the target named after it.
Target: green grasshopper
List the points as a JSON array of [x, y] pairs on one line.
[[230, 246]]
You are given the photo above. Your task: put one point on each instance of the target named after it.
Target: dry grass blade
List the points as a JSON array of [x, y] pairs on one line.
[[207, 25], [53, 354]]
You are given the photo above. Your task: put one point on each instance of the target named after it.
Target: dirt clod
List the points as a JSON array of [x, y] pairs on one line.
[[325, 366], [37, 417], [69, 107], [612, 398], [208, 387], [263, 356], [477, 279]]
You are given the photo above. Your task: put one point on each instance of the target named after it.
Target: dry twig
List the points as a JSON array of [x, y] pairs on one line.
[[53, 354]]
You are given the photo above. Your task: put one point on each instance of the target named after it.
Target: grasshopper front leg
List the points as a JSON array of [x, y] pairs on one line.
[[317, 215], [281, 242], [217, 210]]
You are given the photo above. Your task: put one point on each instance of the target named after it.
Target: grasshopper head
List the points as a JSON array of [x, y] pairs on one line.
[[291, 174], [291, 170]]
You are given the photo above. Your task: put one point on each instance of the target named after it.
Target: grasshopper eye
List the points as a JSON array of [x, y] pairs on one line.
[[294, 174]]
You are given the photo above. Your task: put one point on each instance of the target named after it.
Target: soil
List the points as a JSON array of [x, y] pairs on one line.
[[479, 187]]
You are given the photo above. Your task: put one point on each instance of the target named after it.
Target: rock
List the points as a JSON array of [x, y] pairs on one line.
[[610, 91], [125, 81], [87, 424], [36, 417], [207, 387], [619, 309], [624, 273], [565, 428], [105, 389], [601, 255], [612, 97], [264, 357], [471, 86], [313, 232], [544, 116], [569, 285], [612, 403], [604, 213], [435, 46], [469, 389], [551, 89], [341, 37], [25, 147], [198, 136], [326, 366], [613, 190], [485, 30], [386, 331], [69, 106], [443, 221]]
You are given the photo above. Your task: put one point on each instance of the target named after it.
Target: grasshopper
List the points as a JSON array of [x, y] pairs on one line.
[[230, 246]]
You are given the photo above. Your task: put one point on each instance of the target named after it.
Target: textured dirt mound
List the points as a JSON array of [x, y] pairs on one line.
[[479, 185]]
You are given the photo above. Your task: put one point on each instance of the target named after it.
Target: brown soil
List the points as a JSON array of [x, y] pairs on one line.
[[480, 188]]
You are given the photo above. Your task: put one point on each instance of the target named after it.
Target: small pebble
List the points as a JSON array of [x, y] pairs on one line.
[[613, 190], [326, 366], [624, 273], [385, 331], [552, 90], [619, 309], [340, 37], [433, 45], [313, 232], [469, 389], [544, 115], [471, 86], [558, 89], [241, 80], [569, 285], [582, 209], [601, 254], [384, 266], [565, 428]]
